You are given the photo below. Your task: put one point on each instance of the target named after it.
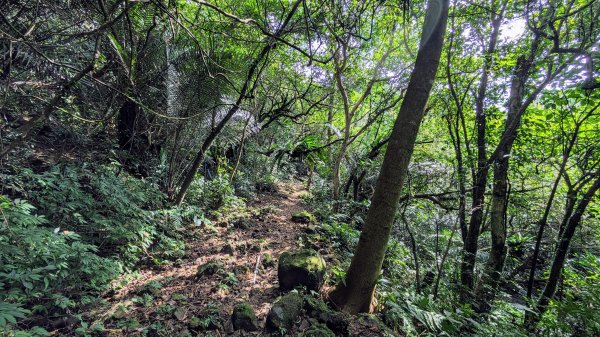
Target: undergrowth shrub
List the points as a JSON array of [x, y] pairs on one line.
[[244, 186], [346, 210], [44, 268], [418, 315], [106, 207], [319, 199], [210, 194], [78, 230], [581, 284], [343, 237], [266, 184]]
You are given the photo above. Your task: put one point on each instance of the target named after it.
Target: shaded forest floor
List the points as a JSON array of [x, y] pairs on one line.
[[238, 256]]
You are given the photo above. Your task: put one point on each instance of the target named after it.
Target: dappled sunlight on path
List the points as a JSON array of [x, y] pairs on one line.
[[245, 251]]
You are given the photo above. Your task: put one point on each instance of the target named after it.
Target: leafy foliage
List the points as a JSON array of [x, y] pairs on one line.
[[105, 106], [46, 268], [95, 225], [108, 210]]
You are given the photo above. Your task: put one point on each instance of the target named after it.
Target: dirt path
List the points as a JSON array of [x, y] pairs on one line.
[[170, 301]]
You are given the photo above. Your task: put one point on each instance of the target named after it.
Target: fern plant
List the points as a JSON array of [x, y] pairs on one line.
[[416, 315]]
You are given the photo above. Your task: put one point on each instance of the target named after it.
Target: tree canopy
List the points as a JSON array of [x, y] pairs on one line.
[[449, 151]]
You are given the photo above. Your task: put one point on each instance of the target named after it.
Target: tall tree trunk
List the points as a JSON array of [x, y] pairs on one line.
[[460, 168], [470, 245], [493, 271], [516, 106], [356, 294]]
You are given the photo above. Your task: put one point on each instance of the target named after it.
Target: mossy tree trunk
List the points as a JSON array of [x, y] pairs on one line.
[[357, 293]]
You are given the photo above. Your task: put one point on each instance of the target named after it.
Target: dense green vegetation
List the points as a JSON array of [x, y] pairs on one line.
[[450, 151]]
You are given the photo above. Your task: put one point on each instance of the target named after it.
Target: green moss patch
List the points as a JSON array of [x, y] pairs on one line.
[[303, 267]]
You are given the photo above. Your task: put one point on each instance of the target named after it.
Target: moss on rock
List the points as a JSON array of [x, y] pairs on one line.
[[303, 217], [303, 267], [336, 321], [244, 318], [285, 311], [315, 306], [209, 268], [228, 249], [267, 260], [319, 330]]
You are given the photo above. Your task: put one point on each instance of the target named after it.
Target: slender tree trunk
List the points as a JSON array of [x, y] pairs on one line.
[[337, 166], [462, 198], [454, 131], [414, 250], [544, 220], [340, 62], [241, 150], [348, 184], [470, 245], [569, 207], [493, 272], [440, 266], [356, 185], [562, 249], [500, 187], [481, 175], [189, 177], [311, 171], [355, 180], [330, 113], [173, 171], [356, 294], [129, 114]]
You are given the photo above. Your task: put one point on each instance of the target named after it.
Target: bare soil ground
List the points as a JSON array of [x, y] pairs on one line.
[[175, 294], [174, 301]]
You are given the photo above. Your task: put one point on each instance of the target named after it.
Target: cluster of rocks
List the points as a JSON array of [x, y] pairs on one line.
[[301, 275], [297, 271]]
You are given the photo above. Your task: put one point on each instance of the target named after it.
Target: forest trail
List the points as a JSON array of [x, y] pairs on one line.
[[170, 297]]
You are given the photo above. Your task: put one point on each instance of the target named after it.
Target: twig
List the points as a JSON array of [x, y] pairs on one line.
[[256, 266]]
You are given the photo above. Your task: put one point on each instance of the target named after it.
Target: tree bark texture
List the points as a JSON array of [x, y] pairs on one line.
[[356, 294]]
